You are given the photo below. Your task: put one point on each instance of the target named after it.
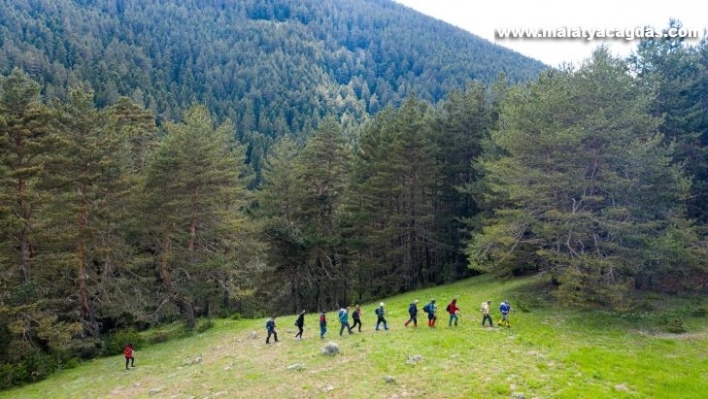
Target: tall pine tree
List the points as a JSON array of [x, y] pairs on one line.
[[193, 194], [586, 186]]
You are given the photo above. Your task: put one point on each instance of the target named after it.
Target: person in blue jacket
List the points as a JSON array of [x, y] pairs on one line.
[[431, 310], [344, 319], [413, 313], [505, 308]]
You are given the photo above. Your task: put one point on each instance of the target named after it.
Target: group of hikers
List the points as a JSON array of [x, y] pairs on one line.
[[430, 308]]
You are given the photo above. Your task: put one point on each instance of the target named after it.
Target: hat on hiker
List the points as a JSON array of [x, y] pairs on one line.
[[381, 304], [416, 301]]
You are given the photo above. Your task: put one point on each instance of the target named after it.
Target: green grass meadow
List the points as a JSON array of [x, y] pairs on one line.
[[547, 353]]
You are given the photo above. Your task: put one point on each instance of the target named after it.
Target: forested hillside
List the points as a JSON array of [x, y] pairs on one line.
[[271, 66]]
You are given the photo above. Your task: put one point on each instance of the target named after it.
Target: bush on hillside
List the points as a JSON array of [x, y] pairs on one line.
[[115, 343], [204, 325]]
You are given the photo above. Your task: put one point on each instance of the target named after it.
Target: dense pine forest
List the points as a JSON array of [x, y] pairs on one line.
[[166, 162]]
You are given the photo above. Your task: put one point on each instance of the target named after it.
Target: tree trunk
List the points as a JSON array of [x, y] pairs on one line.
[[24, 234], [193, 225], [185, 307], [81, 255], [187, 310], [164, 261]]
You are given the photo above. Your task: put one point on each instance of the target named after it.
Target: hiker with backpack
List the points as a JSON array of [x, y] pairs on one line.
[[356, 316], [505, 308], [344, 319], [484, 308], [413, 312], [128, 353], [270, 327], [452, 309], [300, 324], [380, 317], [431, 310], [323, 324]]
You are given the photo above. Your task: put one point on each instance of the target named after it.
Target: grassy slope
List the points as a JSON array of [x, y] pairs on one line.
[[547, 353]]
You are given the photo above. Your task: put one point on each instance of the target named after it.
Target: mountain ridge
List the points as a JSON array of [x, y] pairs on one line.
[[269, 65]]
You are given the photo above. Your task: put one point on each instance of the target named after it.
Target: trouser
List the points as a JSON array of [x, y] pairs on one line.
[[357, 322], [505, 319], [323, 331], [130, 360], [274, 334], [487, 317], [379, 321], [413, 319], [345, 325], [452, 317], [431, 320], [299, 332]]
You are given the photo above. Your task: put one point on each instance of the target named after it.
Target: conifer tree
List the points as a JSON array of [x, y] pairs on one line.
[[461, 125], [86, 178], [31, 319], [391, 200], [301, 201], [193, 194], [280, 217], [584, 187], [675, 72], [25, 142]]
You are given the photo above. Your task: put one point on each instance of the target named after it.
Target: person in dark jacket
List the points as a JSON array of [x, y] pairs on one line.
[[413, 313], [356, 316], [300, 324], [270, 327]]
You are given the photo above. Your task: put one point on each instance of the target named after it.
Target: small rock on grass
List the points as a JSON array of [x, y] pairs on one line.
[[389, 379], [155, 391], [331, 349], [622, 387], [414, 359], [328, 388]]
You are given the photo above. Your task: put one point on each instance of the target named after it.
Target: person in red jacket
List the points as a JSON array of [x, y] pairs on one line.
[[128, 353], [453, 309]]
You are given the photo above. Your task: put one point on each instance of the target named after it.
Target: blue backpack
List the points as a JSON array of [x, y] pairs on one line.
[[427, 308]]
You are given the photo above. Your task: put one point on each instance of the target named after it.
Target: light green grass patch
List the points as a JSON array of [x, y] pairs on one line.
[[548, 353]]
